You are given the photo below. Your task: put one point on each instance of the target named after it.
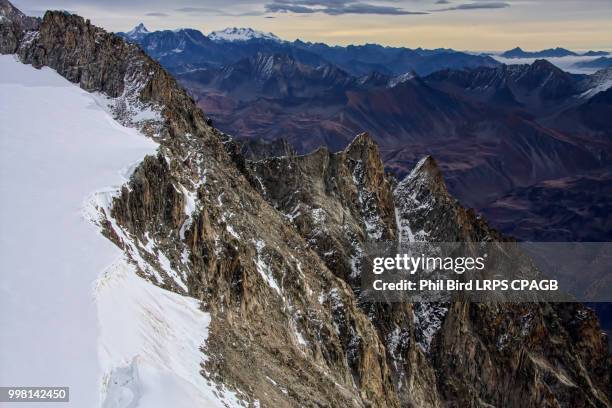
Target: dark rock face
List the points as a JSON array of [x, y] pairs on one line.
[[599, 63], [427, 212], [258, 149], [80, 54], [271, 248], [489, 360], [337, 201], [505, 355], [536, 83], [551, 52], [14, 25]]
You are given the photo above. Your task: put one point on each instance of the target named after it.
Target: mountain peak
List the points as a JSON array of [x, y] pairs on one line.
[[427, 166], [361, 145], [8, 12], [544, 64], [550, 71], [518, 52], [241, 34], [7, 9], [137, 32], [425, 175], [592, 53]]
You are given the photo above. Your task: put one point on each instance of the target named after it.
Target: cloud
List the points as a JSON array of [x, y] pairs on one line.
[[333, 7], [476, 6], [156, 14], [216, 12], [197, 10]]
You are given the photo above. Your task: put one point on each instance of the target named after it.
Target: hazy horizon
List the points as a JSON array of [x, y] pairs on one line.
[[479, 25]]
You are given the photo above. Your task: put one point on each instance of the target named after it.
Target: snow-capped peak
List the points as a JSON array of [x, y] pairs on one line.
[[241, 34], [139, 31], [396, 80], [600, 81]]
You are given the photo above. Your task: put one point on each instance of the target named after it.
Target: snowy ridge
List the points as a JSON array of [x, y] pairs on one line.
[[150, 345], [407, 202], [146, 254], [128, 108], [148, 340], [598, 82], [241, 34], [410, 204], [72, 149]]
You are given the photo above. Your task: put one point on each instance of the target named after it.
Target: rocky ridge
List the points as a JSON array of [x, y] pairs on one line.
[[14, 26], [424, 338], [271, 248], [257, 149]]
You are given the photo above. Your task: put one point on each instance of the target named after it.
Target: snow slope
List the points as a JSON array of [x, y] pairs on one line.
[[56, 146], [67, 318], [150, 345], [598, 82]]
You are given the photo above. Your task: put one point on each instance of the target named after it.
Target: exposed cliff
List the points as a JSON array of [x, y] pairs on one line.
[[14, 26], [511, 355]]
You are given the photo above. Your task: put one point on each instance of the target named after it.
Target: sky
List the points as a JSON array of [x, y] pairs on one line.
[[477, 25]]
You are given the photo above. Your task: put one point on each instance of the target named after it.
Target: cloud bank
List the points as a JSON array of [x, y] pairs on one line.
[[334, 7], [474, 6]]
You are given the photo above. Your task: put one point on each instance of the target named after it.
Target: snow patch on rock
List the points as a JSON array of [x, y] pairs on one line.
[[263, 267]]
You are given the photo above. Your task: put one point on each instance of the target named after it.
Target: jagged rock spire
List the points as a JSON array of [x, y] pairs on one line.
[[426, 177]]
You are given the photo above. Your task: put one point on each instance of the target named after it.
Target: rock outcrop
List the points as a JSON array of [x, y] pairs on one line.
[[14, 26], [475, 354], [257, 149], [336, 201], [272, 248]]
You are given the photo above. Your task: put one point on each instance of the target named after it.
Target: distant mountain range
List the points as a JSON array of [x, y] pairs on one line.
[[241, 34], [496, 129], [192, 49], [279, 76], [493, 129], [549, 53], [599, 63]]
